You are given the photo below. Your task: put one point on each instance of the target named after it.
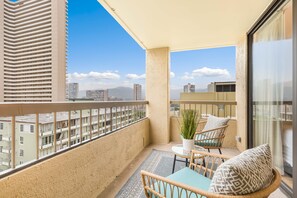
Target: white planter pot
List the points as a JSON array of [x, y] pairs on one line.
[[188, 145]]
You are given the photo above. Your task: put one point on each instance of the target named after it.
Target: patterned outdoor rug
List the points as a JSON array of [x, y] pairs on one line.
[[158, 162]]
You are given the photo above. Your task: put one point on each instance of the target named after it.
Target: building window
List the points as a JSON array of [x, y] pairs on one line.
[[22, 128], [1, 147], [0, 137], [21, 152], [1, 126], [32, 128], [21, 162], [45, 140], [21, 140]]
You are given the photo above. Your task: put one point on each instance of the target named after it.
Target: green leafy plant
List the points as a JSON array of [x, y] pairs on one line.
[[189, 123]]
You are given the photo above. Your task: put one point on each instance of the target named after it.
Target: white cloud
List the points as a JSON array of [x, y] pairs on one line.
[[143, 76], [135, 76], [206, 72], [187, 76], [94, 75], [172, 74], [209, 72]]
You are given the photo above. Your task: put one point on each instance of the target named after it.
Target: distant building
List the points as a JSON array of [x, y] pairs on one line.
[[33, 50], [72, 89], [97, 95], [189, 88], [137, 92], [81, 99], [222, 86], [113, 98], [217, 92], [25, 132]]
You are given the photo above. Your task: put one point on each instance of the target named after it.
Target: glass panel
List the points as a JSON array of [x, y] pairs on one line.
[[272, 89]]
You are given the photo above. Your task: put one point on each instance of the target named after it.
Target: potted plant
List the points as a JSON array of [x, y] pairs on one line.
[[189, 123]]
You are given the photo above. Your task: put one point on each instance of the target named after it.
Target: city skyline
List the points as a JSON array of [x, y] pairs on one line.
[[104, 58]]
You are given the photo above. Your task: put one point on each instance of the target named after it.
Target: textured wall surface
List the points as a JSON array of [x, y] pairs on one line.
[[82, 172], [229, 141], [157, 93], [241, 92]]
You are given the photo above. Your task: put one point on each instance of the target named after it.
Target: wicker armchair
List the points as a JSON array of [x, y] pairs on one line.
[[211, 138], [205, 165]]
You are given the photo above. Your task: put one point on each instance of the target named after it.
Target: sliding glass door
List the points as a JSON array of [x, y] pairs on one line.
[[272, 64]]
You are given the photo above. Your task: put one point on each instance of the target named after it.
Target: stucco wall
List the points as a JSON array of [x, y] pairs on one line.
[[241, 92], [229, 141], [82, 172], [157, 93]]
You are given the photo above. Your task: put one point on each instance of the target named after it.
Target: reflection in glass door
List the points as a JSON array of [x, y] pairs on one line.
[[272, 89]]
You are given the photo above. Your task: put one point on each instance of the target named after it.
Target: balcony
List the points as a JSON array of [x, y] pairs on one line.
[[66, 149]]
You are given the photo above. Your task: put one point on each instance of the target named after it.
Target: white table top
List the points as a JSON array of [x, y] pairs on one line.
[[179, 151]]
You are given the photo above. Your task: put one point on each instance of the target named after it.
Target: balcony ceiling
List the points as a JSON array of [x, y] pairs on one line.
[[185, 24]]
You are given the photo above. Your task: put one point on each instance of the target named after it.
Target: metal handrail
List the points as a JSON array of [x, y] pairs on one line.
[[19, 109]]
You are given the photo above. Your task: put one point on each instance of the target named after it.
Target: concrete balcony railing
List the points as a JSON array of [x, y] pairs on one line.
[[36, 131]]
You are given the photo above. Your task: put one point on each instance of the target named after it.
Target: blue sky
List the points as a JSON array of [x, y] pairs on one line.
[[102, 55]]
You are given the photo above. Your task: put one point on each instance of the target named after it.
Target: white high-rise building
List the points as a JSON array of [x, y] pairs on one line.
[[33, 50], [72, 90], [189, 88], [137, 92]]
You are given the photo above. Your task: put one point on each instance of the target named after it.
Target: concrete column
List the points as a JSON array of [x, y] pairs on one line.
[[241, 92], [157, 93]]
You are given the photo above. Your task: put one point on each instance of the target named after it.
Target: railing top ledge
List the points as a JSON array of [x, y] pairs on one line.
[[226, 102], [20, 109]]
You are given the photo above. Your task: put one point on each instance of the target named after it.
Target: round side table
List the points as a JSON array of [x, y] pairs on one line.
[[180, 152]]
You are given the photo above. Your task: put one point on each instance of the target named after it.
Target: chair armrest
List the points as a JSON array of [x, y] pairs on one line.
[[208, 162]]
